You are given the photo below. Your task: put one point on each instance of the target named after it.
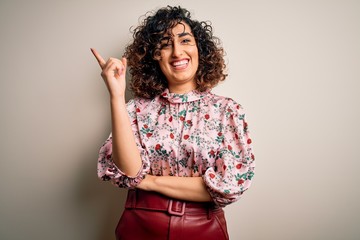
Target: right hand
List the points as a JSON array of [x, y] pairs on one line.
[[113, 72]]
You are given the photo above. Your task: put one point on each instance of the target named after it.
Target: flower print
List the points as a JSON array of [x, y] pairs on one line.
[[195, 138], [146, 130], [220, 137], [249, 141], [182, 115], [236, 136], [252, 156], [240, 181]]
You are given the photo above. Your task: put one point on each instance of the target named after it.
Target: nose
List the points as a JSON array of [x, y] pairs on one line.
[[176, 50]]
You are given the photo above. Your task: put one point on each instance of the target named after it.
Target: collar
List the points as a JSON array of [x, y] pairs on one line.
[[184, 97]]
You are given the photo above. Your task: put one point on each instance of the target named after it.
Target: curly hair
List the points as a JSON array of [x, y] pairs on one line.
[[142, 54]]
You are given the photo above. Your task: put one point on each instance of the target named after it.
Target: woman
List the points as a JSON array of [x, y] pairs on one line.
[[183, 152]]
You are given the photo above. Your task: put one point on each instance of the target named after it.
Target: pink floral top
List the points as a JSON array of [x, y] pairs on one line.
[[188, 135]]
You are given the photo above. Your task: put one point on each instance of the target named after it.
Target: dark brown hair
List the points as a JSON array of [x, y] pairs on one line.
[[147, 77]]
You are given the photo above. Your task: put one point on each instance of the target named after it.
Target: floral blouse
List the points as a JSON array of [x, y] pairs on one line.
[[188, 135]]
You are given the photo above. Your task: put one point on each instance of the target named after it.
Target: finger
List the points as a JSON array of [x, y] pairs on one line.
[[124, 62], [113, 68], [98, 57]]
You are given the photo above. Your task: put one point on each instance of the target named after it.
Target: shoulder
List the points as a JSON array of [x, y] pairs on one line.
[[139, 105], [227, 103]]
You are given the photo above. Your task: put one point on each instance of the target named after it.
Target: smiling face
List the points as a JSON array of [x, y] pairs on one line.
[[179, 59]]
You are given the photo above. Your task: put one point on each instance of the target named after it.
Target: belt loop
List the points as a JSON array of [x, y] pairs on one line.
[[209, 212], [133, 202]]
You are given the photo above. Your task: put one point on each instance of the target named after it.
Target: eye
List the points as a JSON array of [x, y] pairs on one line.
[[186, 41], [166, 44]]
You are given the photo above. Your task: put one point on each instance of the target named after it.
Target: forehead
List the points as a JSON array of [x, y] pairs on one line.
[[179, 28]]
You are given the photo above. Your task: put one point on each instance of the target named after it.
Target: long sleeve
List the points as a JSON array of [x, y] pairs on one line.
[[234, 164], [106, 168]]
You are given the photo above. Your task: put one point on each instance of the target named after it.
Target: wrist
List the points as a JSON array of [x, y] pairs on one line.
[[117, 99], [148, 183]]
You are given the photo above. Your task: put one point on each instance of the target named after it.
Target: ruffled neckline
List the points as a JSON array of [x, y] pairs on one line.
[[184, 97]]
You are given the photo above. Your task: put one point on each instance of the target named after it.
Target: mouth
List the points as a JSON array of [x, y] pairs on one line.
[[180, 64]]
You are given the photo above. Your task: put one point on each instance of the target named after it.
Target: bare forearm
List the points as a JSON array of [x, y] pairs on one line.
[[125, 153], [183, 188]]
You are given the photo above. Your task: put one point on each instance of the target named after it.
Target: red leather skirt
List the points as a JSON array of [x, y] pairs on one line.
[[150, 215]]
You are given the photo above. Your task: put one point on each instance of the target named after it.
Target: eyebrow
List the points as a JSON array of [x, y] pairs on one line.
[[184, 34], [168, 38]]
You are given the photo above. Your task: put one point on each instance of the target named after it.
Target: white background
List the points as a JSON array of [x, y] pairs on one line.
[[293, 65]]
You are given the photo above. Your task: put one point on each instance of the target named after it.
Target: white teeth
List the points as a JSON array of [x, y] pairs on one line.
[[182, 62]]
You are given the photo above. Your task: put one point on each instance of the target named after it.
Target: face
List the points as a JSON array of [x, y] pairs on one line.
[[179, 58]]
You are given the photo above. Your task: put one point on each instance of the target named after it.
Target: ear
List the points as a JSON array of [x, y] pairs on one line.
[[157, 56]]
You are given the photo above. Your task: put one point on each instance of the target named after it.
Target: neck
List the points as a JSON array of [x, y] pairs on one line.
[[180, 89]]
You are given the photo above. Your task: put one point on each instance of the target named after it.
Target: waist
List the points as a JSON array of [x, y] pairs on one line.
[[153, 201]]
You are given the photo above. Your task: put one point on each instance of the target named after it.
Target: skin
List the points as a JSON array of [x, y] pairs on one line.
[[179, 59], [181, 79]]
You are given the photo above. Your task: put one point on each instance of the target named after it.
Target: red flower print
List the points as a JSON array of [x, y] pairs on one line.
[[170, 119], [186, 137], [212, 152], [207, 116], [249, 141], [229, 110], [164, 94], [241, 181], [238, 166], [157, 147], [135, 121], [189, 122], [182, 118], [108, 156], [171, 135], [238, 106], [137, 109], [211, 175], [236, 136], [252, 157], [245, 124], [148, 134], [145, 126], [220, 134], [224, 167], [229, 147]]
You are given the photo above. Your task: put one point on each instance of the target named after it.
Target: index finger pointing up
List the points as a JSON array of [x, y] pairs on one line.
[[99, 58]]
